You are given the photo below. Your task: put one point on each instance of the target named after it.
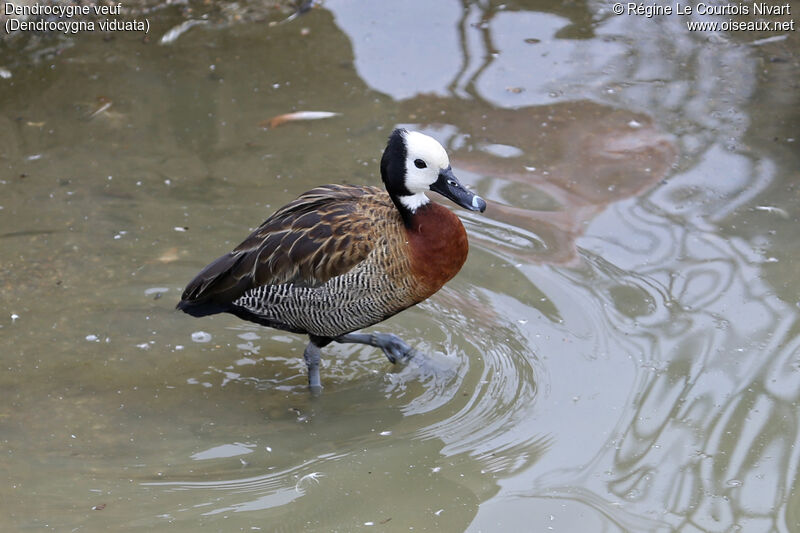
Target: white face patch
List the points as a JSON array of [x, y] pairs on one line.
[[425, 158]]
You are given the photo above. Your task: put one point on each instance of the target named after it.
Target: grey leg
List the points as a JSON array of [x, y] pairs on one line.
[[394, 348], [312, 355]]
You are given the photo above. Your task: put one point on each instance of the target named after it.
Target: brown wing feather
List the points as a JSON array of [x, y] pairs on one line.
[[318, 236]]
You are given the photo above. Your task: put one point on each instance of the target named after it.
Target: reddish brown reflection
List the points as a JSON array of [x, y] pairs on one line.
[[551, 169]]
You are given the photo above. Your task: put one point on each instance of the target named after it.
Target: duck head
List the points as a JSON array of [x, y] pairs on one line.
[[414, 163]]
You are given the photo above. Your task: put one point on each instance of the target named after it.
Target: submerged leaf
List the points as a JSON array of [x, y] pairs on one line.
[[169, 256], [276, 121]]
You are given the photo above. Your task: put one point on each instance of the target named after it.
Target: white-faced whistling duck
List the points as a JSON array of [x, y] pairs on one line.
[[343, 257]]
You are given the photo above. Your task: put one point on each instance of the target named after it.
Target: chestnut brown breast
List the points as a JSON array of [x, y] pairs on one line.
[[437, 248]]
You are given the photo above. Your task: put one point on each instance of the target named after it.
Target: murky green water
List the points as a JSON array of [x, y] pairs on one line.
[[620, 353]]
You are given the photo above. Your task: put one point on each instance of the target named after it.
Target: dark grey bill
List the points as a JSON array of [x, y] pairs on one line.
[[448, 186]]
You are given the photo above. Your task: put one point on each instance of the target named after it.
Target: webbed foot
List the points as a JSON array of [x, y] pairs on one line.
[[393, 346]]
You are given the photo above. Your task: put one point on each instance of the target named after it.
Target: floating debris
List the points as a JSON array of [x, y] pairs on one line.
[[772, 209], [201, 336], [313, 476], [155, 290], [767, 40], [5, 73], [104, 104], [179, 30], [276, 121], [302, 8]]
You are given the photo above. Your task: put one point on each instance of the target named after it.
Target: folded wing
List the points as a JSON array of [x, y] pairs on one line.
[[322, 234]]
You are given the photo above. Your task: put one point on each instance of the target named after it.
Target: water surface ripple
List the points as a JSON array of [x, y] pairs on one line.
[[619, 353]]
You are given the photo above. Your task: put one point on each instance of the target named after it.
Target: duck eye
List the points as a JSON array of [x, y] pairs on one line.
[[419, 163]]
